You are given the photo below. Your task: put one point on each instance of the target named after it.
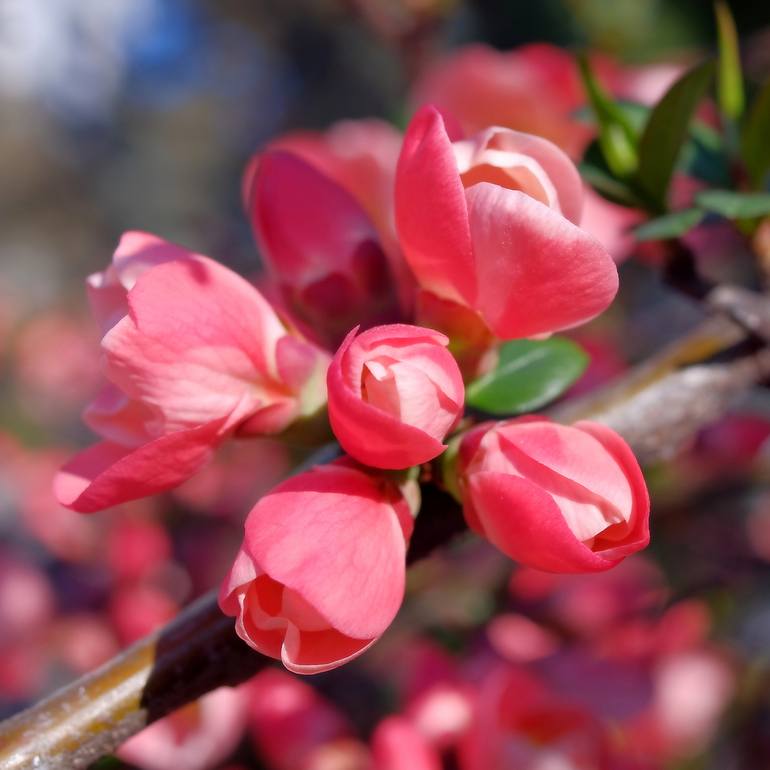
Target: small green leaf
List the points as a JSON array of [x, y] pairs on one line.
[[669, 226], [594, 170], [734, 205], [755, 145], [529, 374], [729, 74], [667, 130], [617, 134], [609, 187]]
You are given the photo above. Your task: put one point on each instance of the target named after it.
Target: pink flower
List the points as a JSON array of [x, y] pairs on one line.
[[320, 248], [555, 497], [394, 393], [320, 575], [290, 722], [196, 737], [489, 223], [536, 88], [520, 722], [397, 745], [200, 356]]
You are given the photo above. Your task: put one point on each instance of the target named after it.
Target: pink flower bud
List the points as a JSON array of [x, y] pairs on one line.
[[555, 497], [394, 393], [196, 737], [397, 745], [490, 223], [321, 572]]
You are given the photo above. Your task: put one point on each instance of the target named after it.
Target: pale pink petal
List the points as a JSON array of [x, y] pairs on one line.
[[522, 162], [537, 272], [397, 745]]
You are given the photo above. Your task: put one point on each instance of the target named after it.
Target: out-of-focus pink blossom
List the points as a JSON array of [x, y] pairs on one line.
[[289, 722], [321, 572], [691, 691], [558, 498], [26, 598], [51, 384], [83, 641], [200, 356], [520, 723], [394, 392], [441, 713], [196, 737], [397, 745], [136, 546], [520, 640], [589, 606], [534, 88], [23, 668], [136, 609], [488, 224], [241, 472]]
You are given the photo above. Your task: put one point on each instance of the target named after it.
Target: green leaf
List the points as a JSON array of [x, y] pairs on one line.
[[635, 114], [734, 205], [755, 145], [729, 74], [529, 374], [594, 170], [669, 226], [609, 187], [617, 135], [667, 130]]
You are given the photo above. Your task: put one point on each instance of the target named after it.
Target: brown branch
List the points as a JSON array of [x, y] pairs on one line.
[[656, 407]]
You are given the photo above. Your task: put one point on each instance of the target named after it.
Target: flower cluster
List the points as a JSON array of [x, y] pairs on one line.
[[477, 239]]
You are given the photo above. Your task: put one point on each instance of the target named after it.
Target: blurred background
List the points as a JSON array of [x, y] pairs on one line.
[[141, 114]]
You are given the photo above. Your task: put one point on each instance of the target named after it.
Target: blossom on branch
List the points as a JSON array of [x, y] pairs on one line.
[[321, 572], [199, 356], [394, 394], [556, 497], [489, 224]]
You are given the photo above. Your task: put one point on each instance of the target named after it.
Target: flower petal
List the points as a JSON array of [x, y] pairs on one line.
[[107, 474], [537, 272], [333, 536], [431, 212]]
